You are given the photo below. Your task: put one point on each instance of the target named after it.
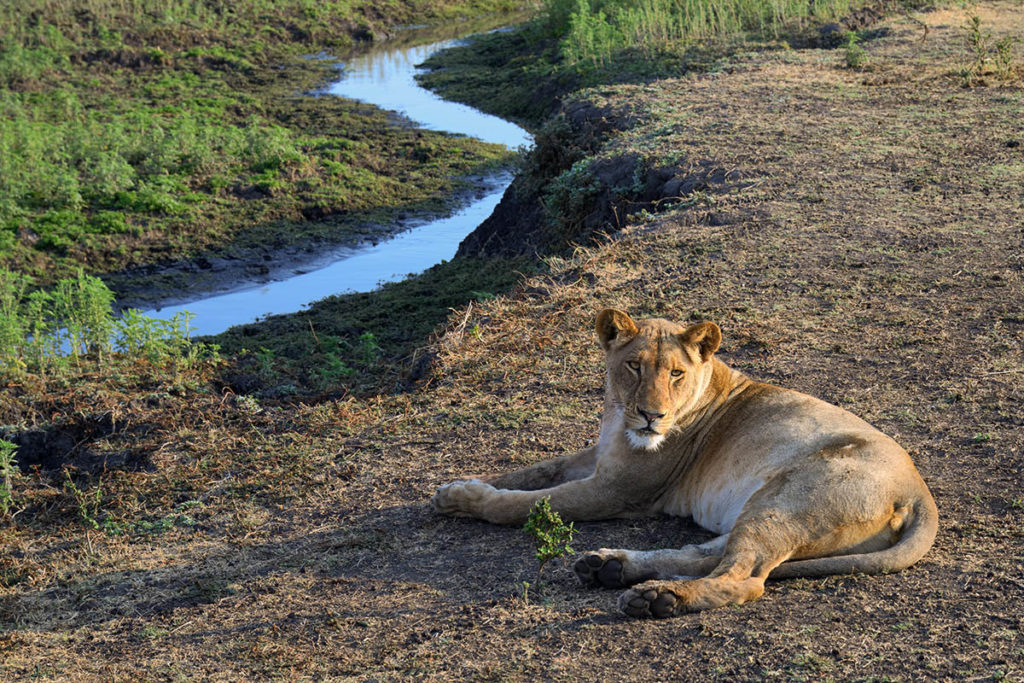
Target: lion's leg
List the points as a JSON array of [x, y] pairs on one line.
[[615, 568], [754, 548], [508, 498], [548, 473], [592, 498]]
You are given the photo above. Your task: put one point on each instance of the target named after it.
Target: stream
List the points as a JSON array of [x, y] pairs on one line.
[[385, 78]]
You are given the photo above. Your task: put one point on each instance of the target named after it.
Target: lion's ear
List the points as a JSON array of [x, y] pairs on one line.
[[614, 326], [705, 336]]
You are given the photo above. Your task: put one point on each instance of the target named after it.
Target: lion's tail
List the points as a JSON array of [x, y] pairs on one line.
[[916, 540]]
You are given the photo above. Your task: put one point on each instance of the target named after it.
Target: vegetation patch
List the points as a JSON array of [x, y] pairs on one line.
[[137, 134], [51, 332], [573, 44], [578, 182]]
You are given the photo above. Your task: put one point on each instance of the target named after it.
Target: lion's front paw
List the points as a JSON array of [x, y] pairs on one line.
[[461, 498], [652, 599], [601, 568]]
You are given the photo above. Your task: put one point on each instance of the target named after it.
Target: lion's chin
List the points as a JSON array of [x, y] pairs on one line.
[[646, 440]]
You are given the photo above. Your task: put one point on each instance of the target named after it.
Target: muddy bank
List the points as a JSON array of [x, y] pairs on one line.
[[318, 234], [576, 184]]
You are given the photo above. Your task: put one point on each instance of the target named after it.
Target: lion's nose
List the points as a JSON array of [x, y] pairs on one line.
[[650, 417]]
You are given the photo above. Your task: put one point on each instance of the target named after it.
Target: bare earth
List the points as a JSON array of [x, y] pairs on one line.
[[876, 262]]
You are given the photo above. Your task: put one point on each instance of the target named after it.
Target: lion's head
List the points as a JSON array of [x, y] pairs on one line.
[[657, 371]]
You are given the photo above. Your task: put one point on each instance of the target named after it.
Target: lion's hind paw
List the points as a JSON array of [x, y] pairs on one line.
[[651, 599]]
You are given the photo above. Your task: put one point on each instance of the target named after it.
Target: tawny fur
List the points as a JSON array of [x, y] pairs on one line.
[[793, 485]]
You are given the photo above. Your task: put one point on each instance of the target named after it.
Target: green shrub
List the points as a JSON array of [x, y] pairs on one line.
[[59, 230], [83, 306], [269, 147], [8, 238], [42, 331], [550, 534], [12, 324], [855, 55], [569, 198], [109, 223]]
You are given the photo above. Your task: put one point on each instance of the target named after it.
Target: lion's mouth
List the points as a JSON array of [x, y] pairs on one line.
[[645, 438]]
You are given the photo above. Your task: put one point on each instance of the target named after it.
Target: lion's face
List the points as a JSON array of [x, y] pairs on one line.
[[657, 371]]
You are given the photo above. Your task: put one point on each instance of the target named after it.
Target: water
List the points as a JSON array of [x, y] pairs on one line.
[[360, 270], [385, 78]]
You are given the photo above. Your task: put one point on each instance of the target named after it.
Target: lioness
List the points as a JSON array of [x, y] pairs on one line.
[[794, 485]]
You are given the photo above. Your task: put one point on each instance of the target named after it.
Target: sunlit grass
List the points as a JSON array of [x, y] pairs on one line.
[[593, 30]]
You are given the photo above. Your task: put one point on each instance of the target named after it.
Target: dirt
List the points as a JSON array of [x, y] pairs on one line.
[[876, 262]]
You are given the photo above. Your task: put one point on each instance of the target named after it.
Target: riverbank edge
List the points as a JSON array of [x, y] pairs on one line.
[[575, 187]]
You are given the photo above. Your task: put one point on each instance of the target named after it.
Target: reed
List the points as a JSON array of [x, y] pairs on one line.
[[594, 30]]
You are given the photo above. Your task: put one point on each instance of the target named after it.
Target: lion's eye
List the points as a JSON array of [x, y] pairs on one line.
[[678, 373], [633, 365]]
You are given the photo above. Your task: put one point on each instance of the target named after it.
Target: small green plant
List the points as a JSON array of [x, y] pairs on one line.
[[249, 405], [83, 305], [855, 55], [977, 43], [265, 362], [152, 527], [152, 632], [367, 351], [986, 56], [339, 359], [550, 534], [1003, 60], [8, 468], [88, 503]]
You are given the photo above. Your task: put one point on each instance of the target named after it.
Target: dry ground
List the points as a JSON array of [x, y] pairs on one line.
[[877, 263]]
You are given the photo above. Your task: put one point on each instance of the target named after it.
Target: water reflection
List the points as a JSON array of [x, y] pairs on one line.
[[386, 78]]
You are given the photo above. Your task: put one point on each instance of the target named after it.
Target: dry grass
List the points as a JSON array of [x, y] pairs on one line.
[[878, 265]]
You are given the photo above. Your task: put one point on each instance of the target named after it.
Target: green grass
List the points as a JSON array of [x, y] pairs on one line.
[[133, 132], [8, 468], [574, 44], [594, 30], [42, 25], [51, 332]]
